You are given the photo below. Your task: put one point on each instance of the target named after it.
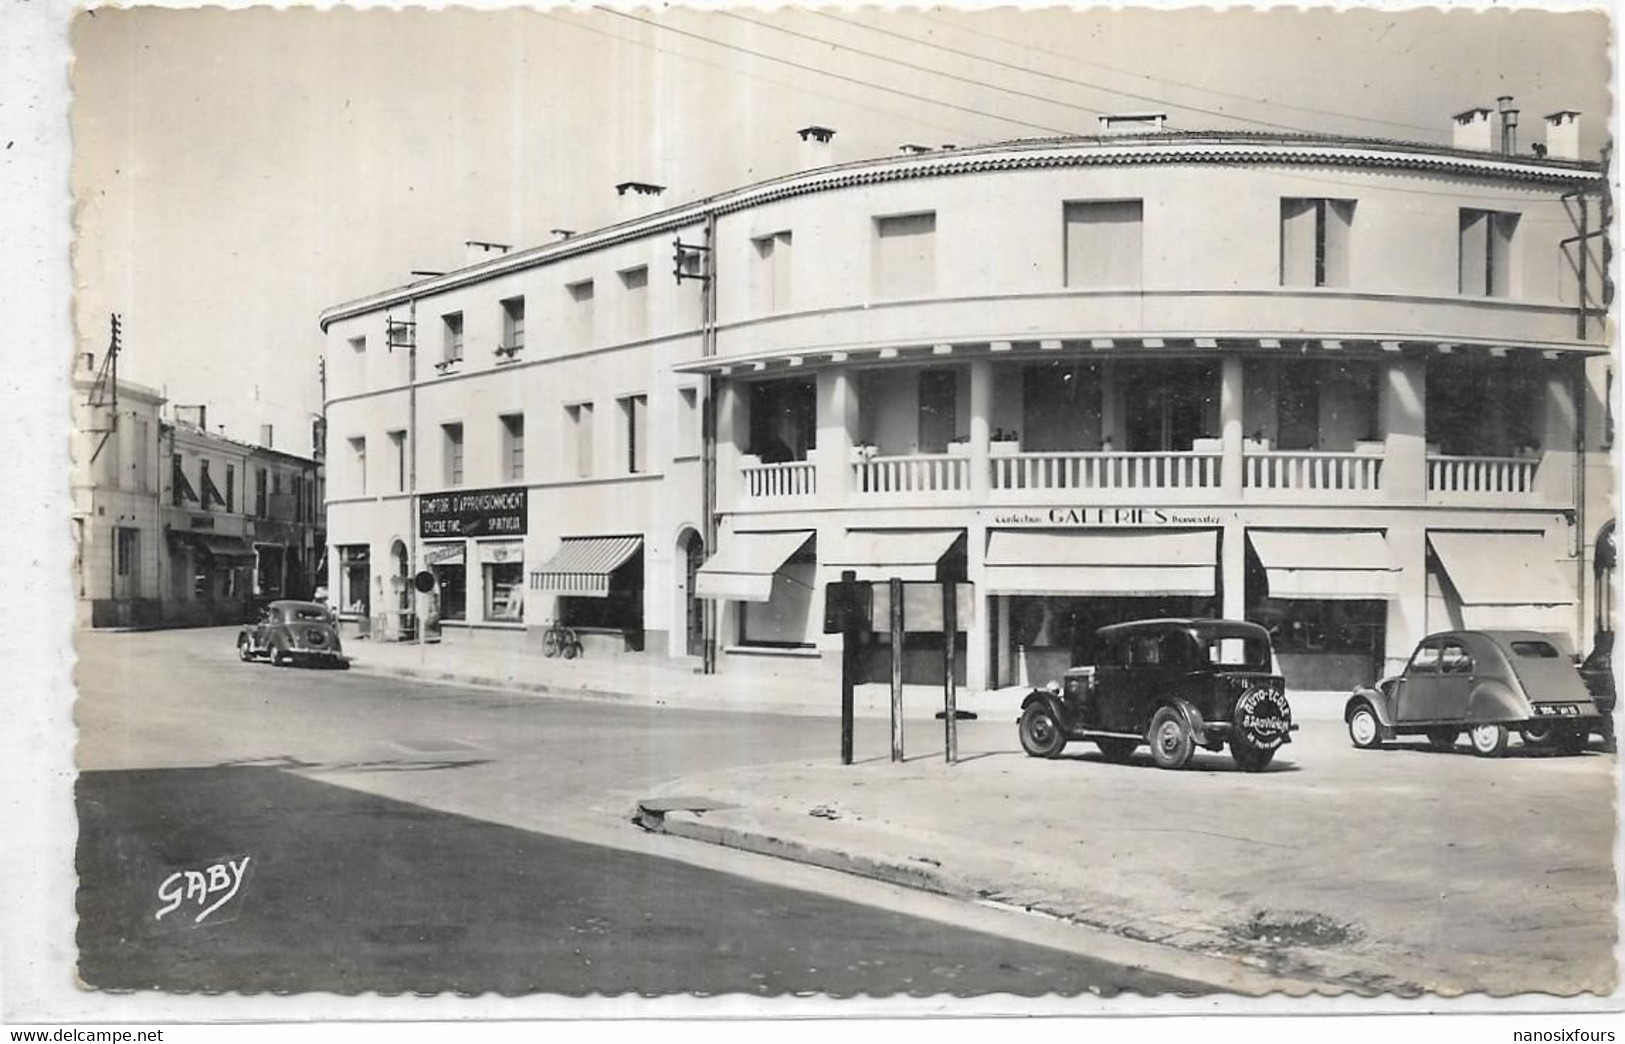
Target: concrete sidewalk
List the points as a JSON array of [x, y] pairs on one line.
[[1374, 871]]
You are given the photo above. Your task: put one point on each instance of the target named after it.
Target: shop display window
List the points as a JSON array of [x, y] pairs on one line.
[[453, 591], [354, 573], [504, 591]]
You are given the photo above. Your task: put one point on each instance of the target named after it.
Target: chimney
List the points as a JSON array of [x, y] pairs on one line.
[[562, 233], [913, 149], [816, 150], [1132, 123], [195, 417], [265, 436], [1472, 130], [638, 198], [1563, 135], [1509, 124], [476, 251]]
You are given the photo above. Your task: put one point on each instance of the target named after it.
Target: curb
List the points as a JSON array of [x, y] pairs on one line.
[[508, 684]]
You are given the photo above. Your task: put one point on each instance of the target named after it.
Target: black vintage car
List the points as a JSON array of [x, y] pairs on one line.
[[293, 632], [1174, 684]]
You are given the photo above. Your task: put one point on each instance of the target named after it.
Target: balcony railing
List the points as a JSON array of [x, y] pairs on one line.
[[1481, 474], [913, 473], [1313, 470], [1177, 469], [796, 478]]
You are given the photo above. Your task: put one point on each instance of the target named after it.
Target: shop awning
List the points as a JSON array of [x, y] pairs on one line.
[[1120, 562], [223, 547], [1326, 564], [1502, 568], [581, 567], [742, 570], [880, 554]]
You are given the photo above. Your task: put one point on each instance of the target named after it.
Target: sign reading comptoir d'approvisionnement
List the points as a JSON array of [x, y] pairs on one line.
[[472, 513]]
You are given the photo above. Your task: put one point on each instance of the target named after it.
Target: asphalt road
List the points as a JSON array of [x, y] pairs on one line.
[[393, 836]]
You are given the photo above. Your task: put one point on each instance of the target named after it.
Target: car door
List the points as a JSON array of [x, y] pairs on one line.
[[1454, 689], [1415, 698]]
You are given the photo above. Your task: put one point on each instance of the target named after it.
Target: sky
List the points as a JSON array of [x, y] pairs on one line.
[[235, 172]]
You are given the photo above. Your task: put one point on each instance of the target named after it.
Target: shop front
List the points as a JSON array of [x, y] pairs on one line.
[[473, 543], [1489, 580], [212, 577], [597, 584]]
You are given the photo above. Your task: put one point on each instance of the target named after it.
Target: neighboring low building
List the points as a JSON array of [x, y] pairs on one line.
[[1354, 390]]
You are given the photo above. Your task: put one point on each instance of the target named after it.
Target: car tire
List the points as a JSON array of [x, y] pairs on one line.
[[1117, 750], [1489, 741], [1537, 737], [1172, 744], [1041, 735], [245, 652], [1250, 758], [1443, 739], [1365, 730], [277, 657]]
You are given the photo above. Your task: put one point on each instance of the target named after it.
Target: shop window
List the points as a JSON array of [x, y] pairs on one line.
[[1486, 244], [504, 591], [513, 446], [579, 417], [451, 578], [621, 611], [354, 579], [772, 283], [905, 255], [635, 302], [452, 448], [1104, 243], [782, 620], [635, 426], [1315, 241]]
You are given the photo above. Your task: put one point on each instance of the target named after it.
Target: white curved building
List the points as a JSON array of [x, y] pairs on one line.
[[1355, 390]]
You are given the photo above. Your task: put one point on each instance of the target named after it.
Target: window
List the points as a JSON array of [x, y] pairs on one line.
[[453, 453], [1535, 650], [905, 256], [354, 569], [513, 326], [143, 465], [1426, 660], [579, 416], [688, 422], [126, 546], [452, 337], [211, 492], [938, 420], [1315, 241], [578, 324], [1103, 243], [397, 440], [299, 497], [1486, 252], [635, 422], [358, 449], [358, 345], [503, 572], [1454, 659], [513, 446], [773, 272], [261, 502], [231, 487], [181, 489], [635, 281]]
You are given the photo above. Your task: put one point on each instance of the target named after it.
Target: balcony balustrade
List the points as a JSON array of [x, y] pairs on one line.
[[1107, 470], [913, 473], [1313, 471], [795, 478], [1479, 476]]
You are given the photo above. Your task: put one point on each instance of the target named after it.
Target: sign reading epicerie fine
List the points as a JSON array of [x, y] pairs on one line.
[[472, 513]]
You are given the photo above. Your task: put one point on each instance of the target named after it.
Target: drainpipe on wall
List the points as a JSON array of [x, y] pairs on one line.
[[708, 436], [1582, 391]]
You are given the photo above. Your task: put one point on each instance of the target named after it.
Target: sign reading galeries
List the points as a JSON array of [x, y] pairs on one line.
[[472, 513], [1103, 517]]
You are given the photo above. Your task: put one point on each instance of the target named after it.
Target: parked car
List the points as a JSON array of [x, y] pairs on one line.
[[1174, 684], [293, 632], [1486, 682]]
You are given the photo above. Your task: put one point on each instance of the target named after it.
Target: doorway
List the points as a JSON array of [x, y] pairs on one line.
[[691, 552]]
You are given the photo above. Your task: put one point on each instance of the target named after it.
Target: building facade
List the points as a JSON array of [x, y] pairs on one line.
[[177, 526], [1353, 390]]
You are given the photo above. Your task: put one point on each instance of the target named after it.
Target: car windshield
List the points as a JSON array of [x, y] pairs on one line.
[[1249, 653]]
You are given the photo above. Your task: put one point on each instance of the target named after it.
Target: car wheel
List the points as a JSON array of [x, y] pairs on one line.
[[1545, 734], [1170, 737], [1365, 731], [277, 656], [1250, 758], [1041, 734], [1115, 749], [1443, 739], [1489, 741], [244, 651]]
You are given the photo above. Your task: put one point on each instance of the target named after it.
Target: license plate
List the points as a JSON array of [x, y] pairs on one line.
[[1557, 710]]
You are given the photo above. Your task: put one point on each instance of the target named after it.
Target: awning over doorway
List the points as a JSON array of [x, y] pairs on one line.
[[1115, 562], [581, 567], [742, 569], [220, 548], [1326, 564], [1501, 568], [880, 554]]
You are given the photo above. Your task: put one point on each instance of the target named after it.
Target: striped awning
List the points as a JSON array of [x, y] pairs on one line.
[[581, 567]]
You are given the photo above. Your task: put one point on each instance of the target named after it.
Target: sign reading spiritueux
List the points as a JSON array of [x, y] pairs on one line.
[[472, 513]]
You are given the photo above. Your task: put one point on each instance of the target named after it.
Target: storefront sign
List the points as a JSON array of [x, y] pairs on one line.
[[475, 513], [202, 522], [494, 553], [1101, 517], [446, 554]]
